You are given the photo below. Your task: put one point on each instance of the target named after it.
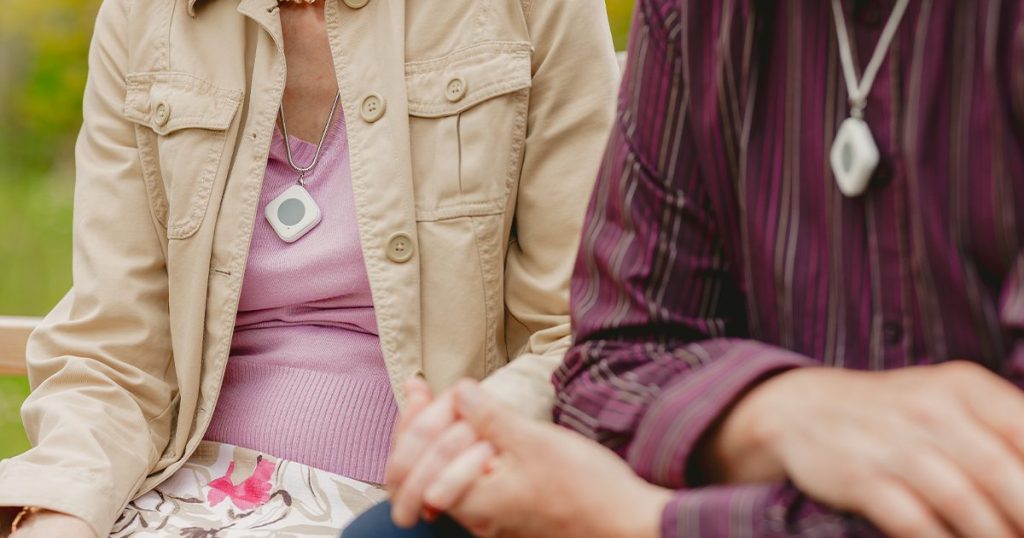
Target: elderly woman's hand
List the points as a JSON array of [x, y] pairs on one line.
[[427, 440]]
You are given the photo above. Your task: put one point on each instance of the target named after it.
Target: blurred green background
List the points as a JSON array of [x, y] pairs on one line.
[[43, 48]]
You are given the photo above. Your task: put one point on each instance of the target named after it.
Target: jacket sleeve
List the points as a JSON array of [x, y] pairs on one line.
[[662, 350], [572, 104], [100, 365]]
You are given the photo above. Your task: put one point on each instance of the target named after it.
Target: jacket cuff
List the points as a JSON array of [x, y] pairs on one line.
[[84, 495], [525, 385], [663, 447]]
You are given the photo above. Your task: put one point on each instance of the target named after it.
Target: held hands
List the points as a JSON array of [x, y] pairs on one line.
[[500, 474], [925, 451], [428, 440]]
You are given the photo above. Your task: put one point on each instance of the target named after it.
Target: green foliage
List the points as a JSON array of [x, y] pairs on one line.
[[619, 14], [43, 48], [35, 216], [13, 391], [44, 74]]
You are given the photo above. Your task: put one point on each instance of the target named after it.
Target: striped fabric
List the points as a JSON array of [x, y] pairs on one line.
[[718, 250]]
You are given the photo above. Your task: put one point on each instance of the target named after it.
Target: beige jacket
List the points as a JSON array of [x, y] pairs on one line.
[[475, 129]]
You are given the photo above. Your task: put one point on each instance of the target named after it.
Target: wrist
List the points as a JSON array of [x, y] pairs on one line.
[[643, 518], [21, 516], [744, 447]]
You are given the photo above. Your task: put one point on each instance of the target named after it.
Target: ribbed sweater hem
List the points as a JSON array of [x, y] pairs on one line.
[[337, 422]]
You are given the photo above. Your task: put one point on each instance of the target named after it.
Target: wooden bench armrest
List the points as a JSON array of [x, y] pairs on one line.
[[13, 336]]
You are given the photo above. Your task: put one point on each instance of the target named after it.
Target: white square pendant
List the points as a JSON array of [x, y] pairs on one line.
[[854, 157], [293, 214]]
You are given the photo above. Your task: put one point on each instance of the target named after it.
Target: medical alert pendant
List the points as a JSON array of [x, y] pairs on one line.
[[854, 157], [293, 214]]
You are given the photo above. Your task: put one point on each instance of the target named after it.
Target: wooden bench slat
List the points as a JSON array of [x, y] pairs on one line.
[[13, 336]]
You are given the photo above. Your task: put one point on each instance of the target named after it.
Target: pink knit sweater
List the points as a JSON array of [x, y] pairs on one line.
[[306, 380]]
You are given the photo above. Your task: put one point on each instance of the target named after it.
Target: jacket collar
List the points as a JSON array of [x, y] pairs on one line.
[[192, 7]]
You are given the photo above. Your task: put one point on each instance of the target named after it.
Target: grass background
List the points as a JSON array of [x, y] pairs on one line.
[[41, 80]]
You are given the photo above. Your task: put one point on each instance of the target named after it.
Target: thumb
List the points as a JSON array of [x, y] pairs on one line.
[[491, 419]]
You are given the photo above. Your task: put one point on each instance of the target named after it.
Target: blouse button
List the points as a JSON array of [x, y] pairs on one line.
[[892, 332], [373, 108], [456, 89], [356, 4]]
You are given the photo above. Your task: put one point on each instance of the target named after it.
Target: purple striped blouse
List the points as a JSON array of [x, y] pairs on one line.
[[718, 251]]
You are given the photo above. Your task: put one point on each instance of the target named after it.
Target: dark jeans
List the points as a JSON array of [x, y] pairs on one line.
[[376, 523]]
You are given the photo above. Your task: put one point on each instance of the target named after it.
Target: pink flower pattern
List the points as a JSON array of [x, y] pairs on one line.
[[251, 493]]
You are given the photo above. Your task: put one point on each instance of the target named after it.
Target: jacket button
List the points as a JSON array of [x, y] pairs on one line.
[[356, 4], [400, 248], [162, 113], [373, 108], [456, 89]]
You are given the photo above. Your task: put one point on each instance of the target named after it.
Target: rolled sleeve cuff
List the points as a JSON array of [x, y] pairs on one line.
[[84, 495], [761, 511], [667, 435], [713, 512]]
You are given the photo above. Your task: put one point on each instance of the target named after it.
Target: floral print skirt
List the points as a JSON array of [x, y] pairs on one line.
[[225, 491]]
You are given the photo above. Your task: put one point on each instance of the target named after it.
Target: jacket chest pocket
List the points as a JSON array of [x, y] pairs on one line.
[[182, 126], [467, 123]]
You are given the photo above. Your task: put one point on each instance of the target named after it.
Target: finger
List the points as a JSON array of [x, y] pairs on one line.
[[486, 503], [408, 501], [491, 420], [998, 403], [987, 459], [898, 513], [951, 495], [418, 435], [417, 398], [455, 480]]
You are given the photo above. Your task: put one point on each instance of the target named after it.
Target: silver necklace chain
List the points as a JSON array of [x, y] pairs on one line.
[[859, 92], [302, 170]]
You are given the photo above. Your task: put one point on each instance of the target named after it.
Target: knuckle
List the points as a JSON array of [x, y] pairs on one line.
[[926, 407], [963, 372], [952, 502], [422, 429], [454, 441], [910, 525], [449, 445], [989, 466], [853, 474], [892, 511]]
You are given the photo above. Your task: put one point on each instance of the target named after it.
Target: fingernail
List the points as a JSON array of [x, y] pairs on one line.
[[434, 496], [399, 519]]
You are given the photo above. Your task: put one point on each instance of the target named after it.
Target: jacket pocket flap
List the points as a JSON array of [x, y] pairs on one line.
[[167, 102], [467, 77]]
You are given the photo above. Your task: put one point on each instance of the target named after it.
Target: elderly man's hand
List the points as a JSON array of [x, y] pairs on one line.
[[526, 478], [924, 451]]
